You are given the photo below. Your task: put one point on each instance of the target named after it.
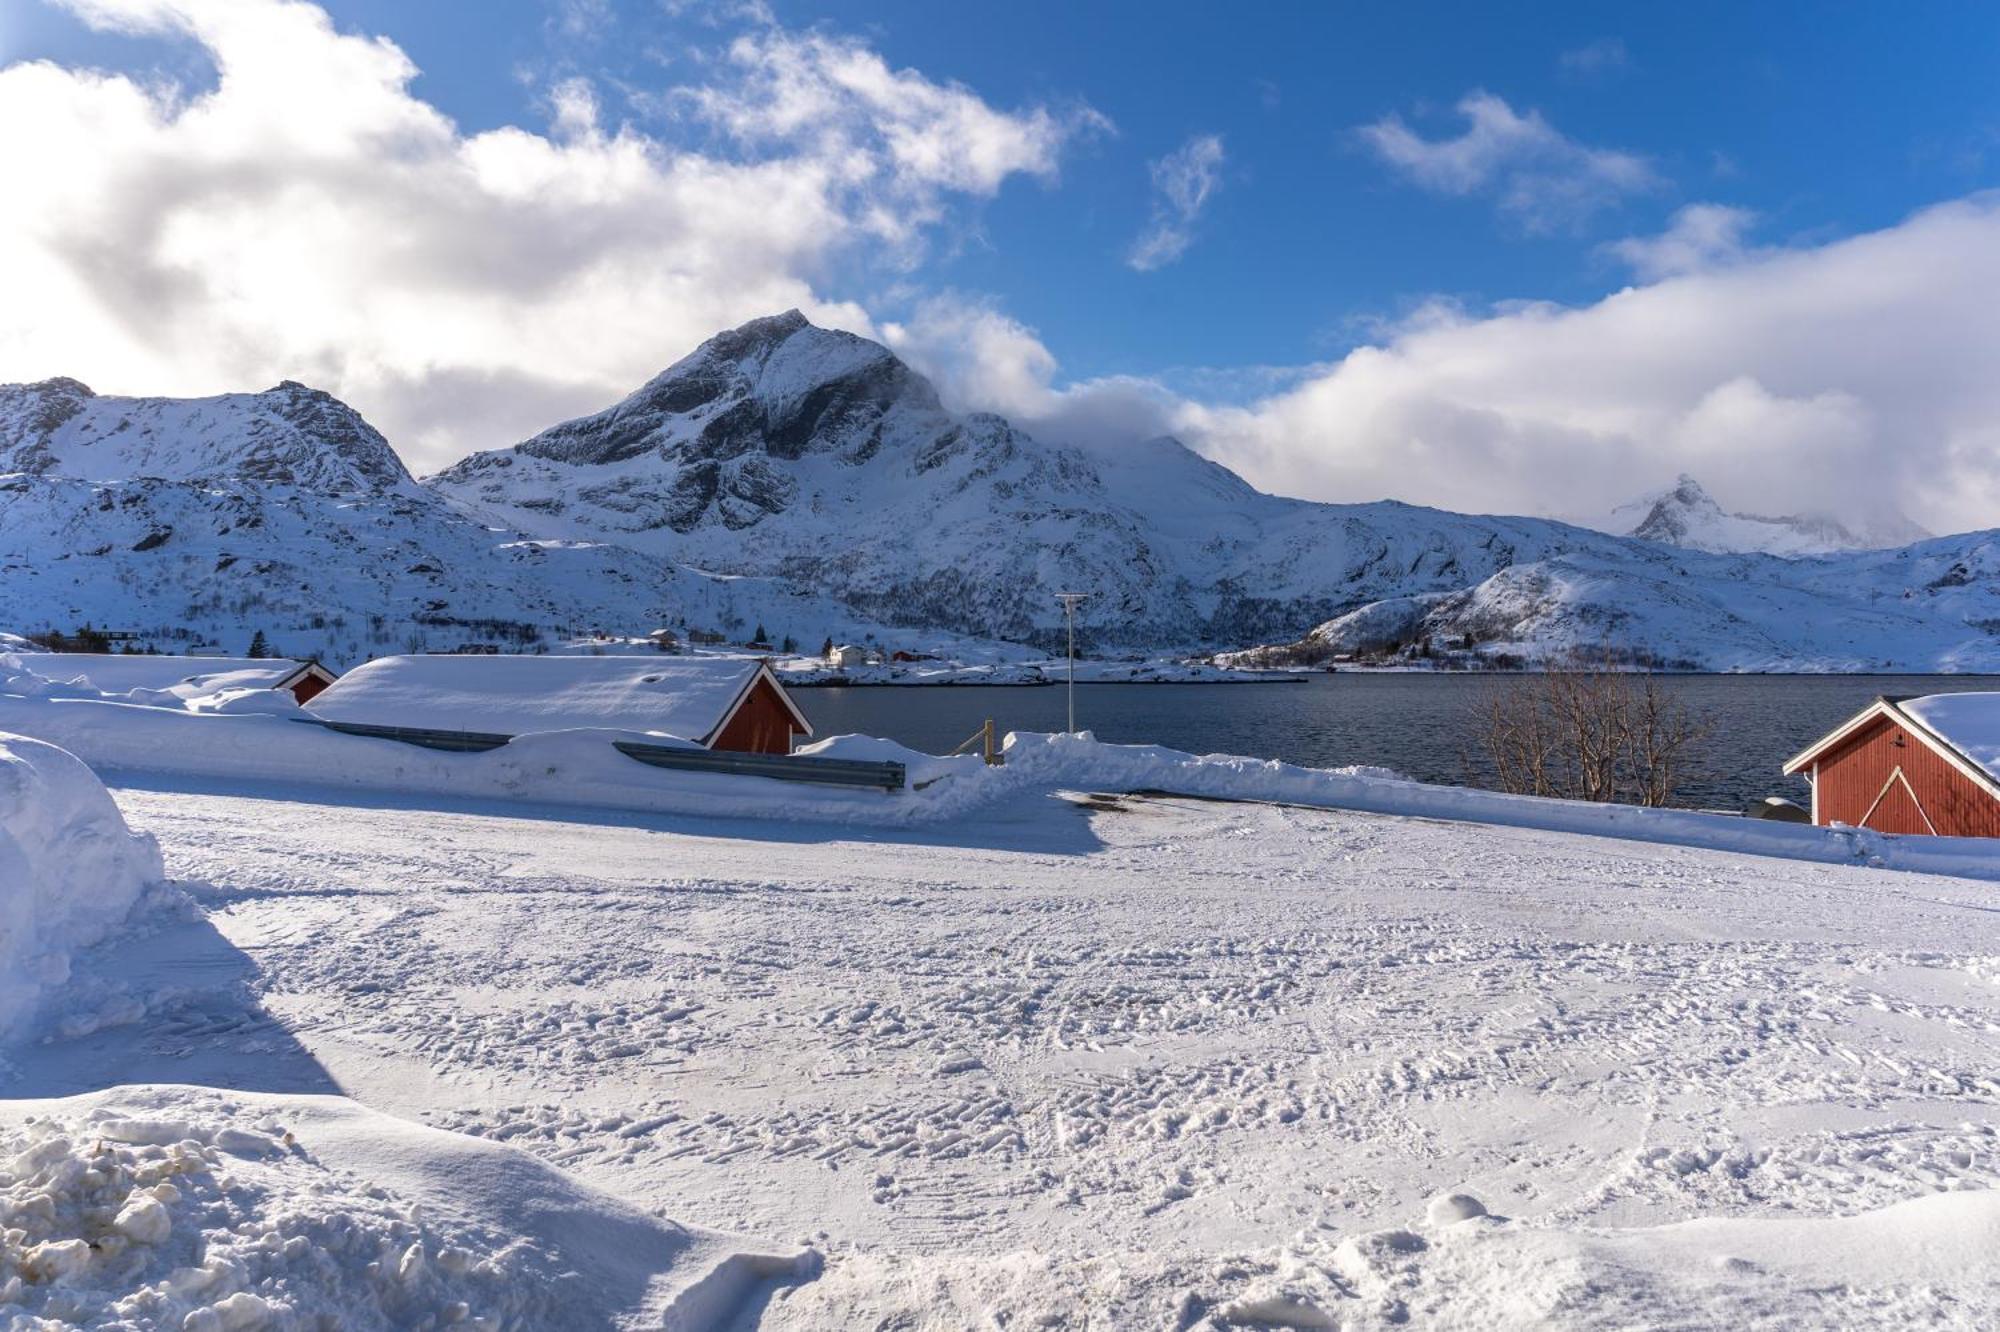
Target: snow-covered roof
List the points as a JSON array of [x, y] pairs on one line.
[[1969, 723], [1964, 728], [688, 697], [119, 673]]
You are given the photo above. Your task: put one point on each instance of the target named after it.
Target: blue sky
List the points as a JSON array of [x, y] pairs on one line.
[[1786, 129]]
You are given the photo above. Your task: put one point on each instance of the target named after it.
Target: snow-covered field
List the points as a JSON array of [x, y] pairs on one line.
[[1111, 1061]]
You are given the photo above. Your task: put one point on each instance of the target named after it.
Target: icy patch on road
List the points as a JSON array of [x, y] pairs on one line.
[[183, 1207], [70, 870]]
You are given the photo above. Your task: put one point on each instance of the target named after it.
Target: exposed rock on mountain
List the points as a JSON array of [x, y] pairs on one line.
[[810, 481], [290, 435]]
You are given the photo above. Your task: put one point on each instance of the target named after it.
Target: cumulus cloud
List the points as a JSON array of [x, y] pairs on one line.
[[1539, 177], [982, 359], [1855, 378], [1699, 236], [1183, 181], [309, 217]]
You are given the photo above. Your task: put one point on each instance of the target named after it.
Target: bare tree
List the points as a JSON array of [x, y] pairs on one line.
[[1586, 727]]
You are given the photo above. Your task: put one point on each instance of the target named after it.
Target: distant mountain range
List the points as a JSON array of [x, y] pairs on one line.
[[1684, 515], [811, 482]]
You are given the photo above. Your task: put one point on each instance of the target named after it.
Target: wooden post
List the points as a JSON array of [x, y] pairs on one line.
[[994, 758]]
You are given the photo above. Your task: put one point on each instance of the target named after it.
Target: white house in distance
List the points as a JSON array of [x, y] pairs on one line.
[[846, 655], [184, 677], [727, 703]]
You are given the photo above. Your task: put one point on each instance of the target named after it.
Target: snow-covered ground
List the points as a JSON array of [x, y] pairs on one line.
[[1115, 1061]]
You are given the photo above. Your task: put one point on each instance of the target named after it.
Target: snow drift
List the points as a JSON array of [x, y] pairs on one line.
[[70, 870], [184, 1207]]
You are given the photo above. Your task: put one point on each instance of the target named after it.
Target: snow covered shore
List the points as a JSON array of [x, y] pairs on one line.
[[260, 739]]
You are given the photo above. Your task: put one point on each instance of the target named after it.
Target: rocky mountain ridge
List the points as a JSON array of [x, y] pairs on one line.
[[787, 473]]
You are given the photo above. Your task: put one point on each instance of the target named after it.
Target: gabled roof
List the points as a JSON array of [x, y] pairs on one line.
[[121, 672], [692, 698], [1964, 729]]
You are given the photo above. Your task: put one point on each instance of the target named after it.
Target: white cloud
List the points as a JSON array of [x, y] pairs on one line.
[[983, 360], [1183, 181], [1540, 177], [1595, 60], [309, 217], [1854, 378], [1699, 236]]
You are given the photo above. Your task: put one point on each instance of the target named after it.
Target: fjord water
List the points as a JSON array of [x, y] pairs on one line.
[[1416, 723]]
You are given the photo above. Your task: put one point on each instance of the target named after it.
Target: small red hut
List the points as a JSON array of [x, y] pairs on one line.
[[727, 703], [1911, 765]]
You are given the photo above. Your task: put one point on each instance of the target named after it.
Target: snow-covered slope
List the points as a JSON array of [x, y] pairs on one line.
[[1932, 606], [809, 481], [290, 435], [817, 457], [201, 521], [1686, 515]]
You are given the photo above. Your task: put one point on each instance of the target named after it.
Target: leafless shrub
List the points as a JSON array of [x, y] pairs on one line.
[[1584, 728]]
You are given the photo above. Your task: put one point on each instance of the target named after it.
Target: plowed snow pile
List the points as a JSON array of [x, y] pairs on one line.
[[70, 870], [183, 1207]]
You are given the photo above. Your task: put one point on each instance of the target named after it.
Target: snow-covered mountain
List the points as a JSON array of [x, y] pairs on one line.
[[810, 481], [290, 435], [201, 521], [816, 457], [1685, 515]]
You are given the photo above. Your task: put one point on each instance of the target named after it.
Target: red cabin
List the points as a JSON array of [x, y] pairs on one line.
[[728, 703], [1911, 765]]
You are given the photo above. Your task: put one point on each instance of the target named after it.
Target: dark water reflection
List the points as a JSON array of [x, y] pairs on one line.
[[1414, 723]]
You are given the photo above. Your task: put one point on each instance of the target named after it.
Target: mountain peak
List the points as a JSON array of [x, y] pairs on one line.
[[777, 387], [1686, 515], [290, 435]]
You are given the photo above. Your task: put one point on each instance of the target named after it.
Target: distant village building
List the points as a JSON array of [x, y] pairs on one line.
[[727, 703], [121, 673], [846, 655], [1911, 765]]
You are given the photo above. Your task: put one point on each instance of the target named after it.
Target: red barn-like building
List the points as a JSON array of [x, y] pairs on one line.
[[1911, 765], [727, 703]]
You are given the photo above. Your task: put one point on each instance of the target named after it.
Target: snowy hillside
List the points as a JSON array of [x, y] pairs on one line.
[[817, 457], [1686, 515], [290, 435], [1935, 605], [201, 521], [809, 481]]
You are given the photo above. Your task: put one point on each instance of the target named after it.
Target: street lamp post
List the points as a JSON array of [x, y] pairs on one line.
[[1069, 601]]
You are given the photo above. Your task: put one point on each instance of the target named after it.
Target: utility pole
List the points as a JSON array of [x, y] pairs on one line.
[[1069, 601]]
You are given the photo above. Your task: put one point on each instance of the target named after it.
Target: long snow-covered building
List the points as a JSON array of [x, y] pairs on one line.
[[184, 677], [728, 703], [1910, 765]]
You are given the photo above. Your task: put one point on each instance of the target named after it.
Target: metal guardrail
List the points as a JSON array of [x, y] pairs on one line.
[[784, 767], [464, 742]]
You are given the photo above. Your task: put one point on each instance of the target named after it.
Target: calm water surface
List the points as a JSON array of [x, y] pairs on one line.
[[1413, 723]]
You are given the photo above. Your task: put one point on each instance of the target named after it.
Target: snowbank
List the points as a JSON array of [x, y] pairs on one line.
[[70, 870], [184, 1207], [580, 767], [1927, 1262], [1079, 761]]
